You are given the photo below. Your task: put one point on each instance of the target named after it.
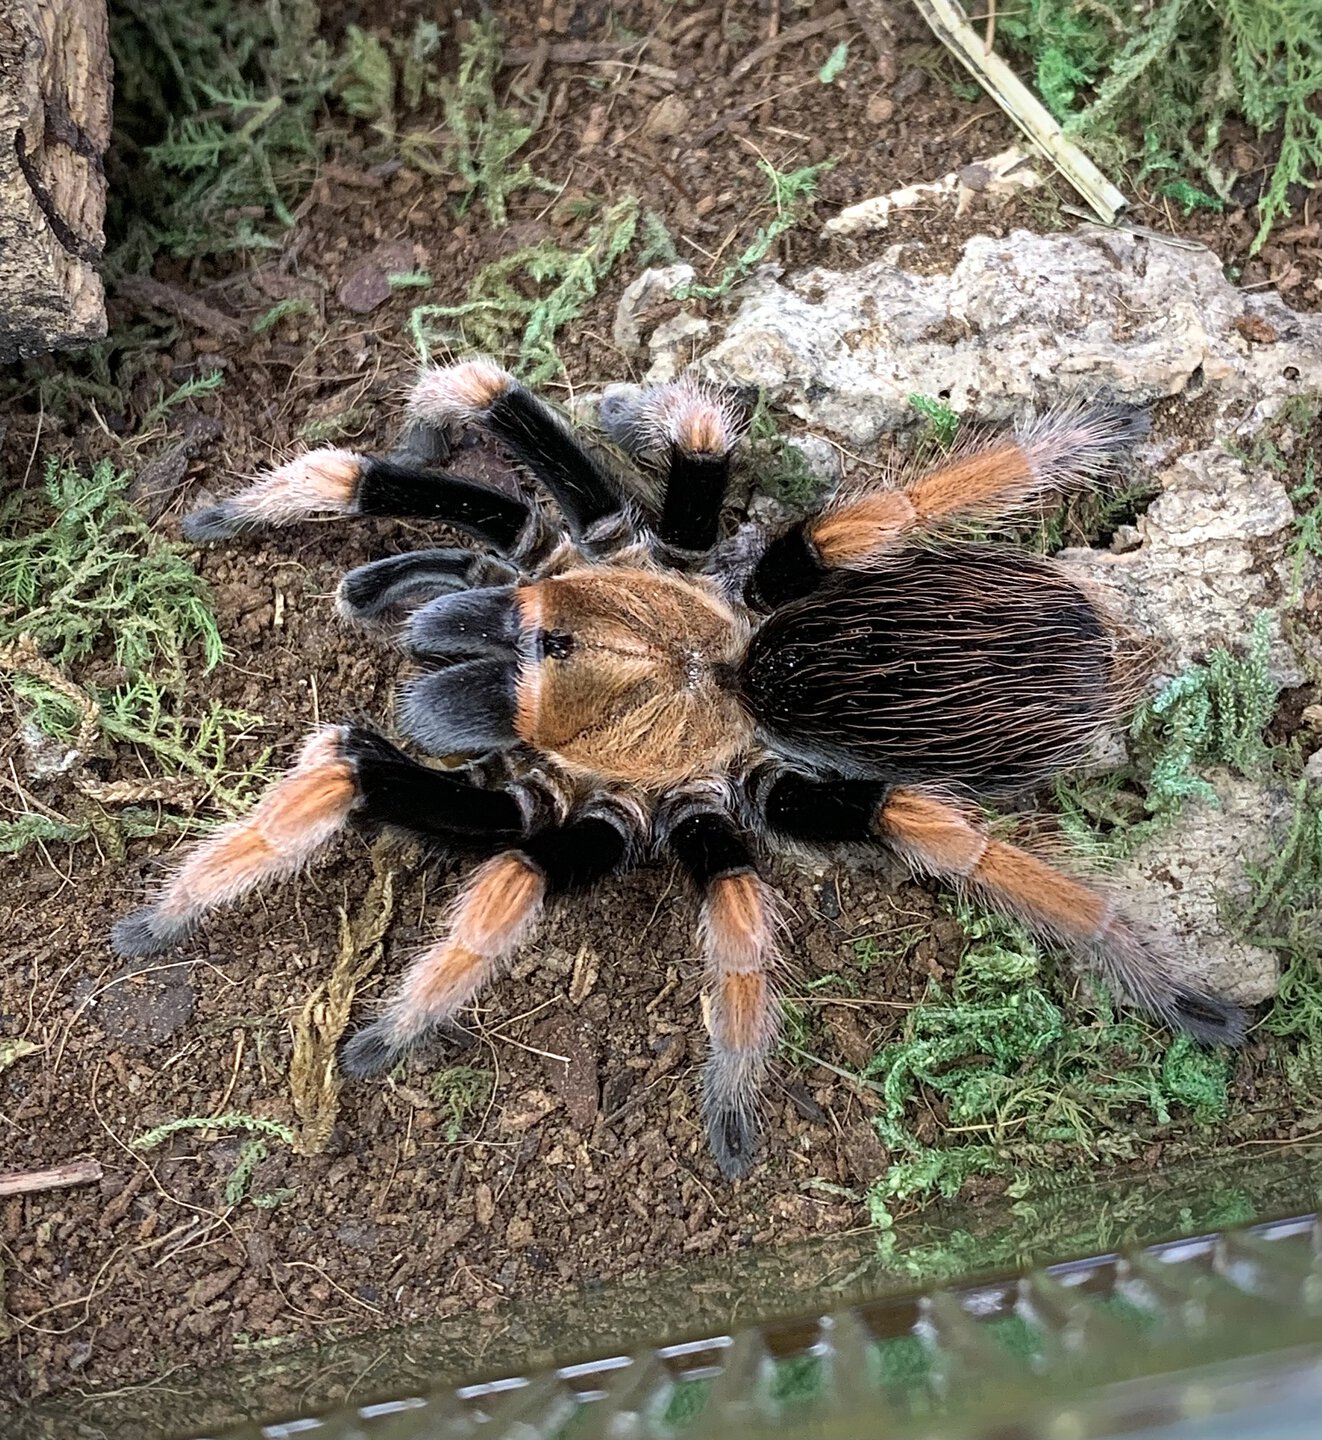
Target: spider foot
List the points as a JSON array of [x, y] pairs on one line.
[[147, 932]]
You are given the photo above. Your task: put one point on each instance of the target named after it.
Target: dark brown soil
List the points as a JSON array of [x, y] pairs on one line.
[[586, 1160]]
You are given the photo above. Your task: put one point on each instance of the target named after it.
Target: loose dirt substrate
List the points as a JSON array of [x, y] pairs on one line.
[[586, 1161]]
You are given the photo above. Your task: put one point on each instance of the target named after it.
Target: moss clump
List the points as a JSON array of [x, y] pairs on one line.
[[1151, 86], [84, 579], [526, 299]]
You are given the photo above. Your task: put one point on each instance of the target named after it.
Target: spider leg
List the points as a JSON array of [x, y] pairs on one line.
[[941, 837], [390, 588], [500, 907], [1062, 451], [343, 773], [339, 482], [738, 931], [688, 431], [466, 700], [588, 494]]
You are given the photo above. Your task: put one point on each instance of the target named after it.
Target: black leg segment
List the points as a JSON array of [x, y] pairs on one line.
[[588, 495], [388, 487], [695, 493], [789, 569], [397, 790], [817, 812]]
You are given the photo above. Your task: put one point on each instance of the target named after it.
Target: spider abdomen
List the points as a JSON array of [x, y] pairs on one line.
[[971, 665]]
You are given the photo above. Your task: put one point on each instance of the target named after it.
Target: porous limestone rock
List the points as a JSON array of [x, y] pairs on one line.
[[1186, 880], [1027, 321], [1016, 323]]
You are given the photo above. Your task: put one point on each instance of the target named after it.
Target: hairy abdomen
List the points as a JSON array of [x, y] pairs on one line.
[[986, 668]]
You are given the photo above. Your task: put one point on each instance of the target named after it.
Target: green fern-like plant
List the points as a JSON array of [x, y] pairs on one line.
[[216, 110], [1024, 1083], [791, 195], [1151, 86], [1211, 714], [480, 137], [83, 578], [527, 298]]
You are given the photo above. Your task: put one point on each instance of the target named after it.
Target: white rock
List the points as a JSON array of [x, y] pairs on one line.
[[998, 175], [673, 344], [650, 290], [822, 459], [1186, 880], [1017, 323], [44, 756], [1196, 581]]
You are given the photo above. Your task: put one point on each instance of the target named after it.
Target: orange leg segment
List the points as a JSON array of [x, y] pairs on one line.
[[304, 809], [738, 931], [945, 840], [497, 912], [1062, 451]]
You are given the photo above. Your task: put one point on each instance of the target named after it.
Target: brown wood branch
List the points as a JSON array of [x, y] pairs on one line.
[[144, 292], [804, 30], [83, 1171], [571, 52], [874, 19], [54, 128], [951, 27]]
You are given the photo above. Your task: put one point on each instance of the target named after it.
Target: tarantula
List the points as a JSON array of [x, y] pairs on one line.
[[622, 682]]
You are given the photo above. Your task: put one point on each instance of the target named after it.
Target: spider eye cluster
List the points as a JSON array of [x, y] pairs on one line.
[[554, 644]]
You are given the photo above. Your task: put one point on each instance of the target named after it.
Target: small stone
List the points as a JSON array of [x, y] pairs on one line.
[[529, 1108], [822, 459], [1256, 330], [368, 284], [880, 109], [138, 1009], [569, 1058], [587, 965], [673, 345], [643, 299], [668, 117]]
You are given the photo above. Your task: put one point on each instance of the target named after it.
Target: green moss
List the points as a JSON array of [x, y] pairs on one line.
[[83, 578], [792, 195], [460, 1091], [942, 421], [216, 111], [482, 135], [779, 468], [1020, 1078], [526, 299], [1152, 87]]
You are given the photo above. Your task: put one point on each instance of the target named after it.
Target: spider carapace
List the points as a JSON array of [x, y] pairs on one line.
[[624, 683]]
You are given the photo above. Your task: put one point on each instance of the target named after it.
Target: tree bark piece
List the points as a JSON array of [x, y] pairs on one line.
[[54, 128]]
